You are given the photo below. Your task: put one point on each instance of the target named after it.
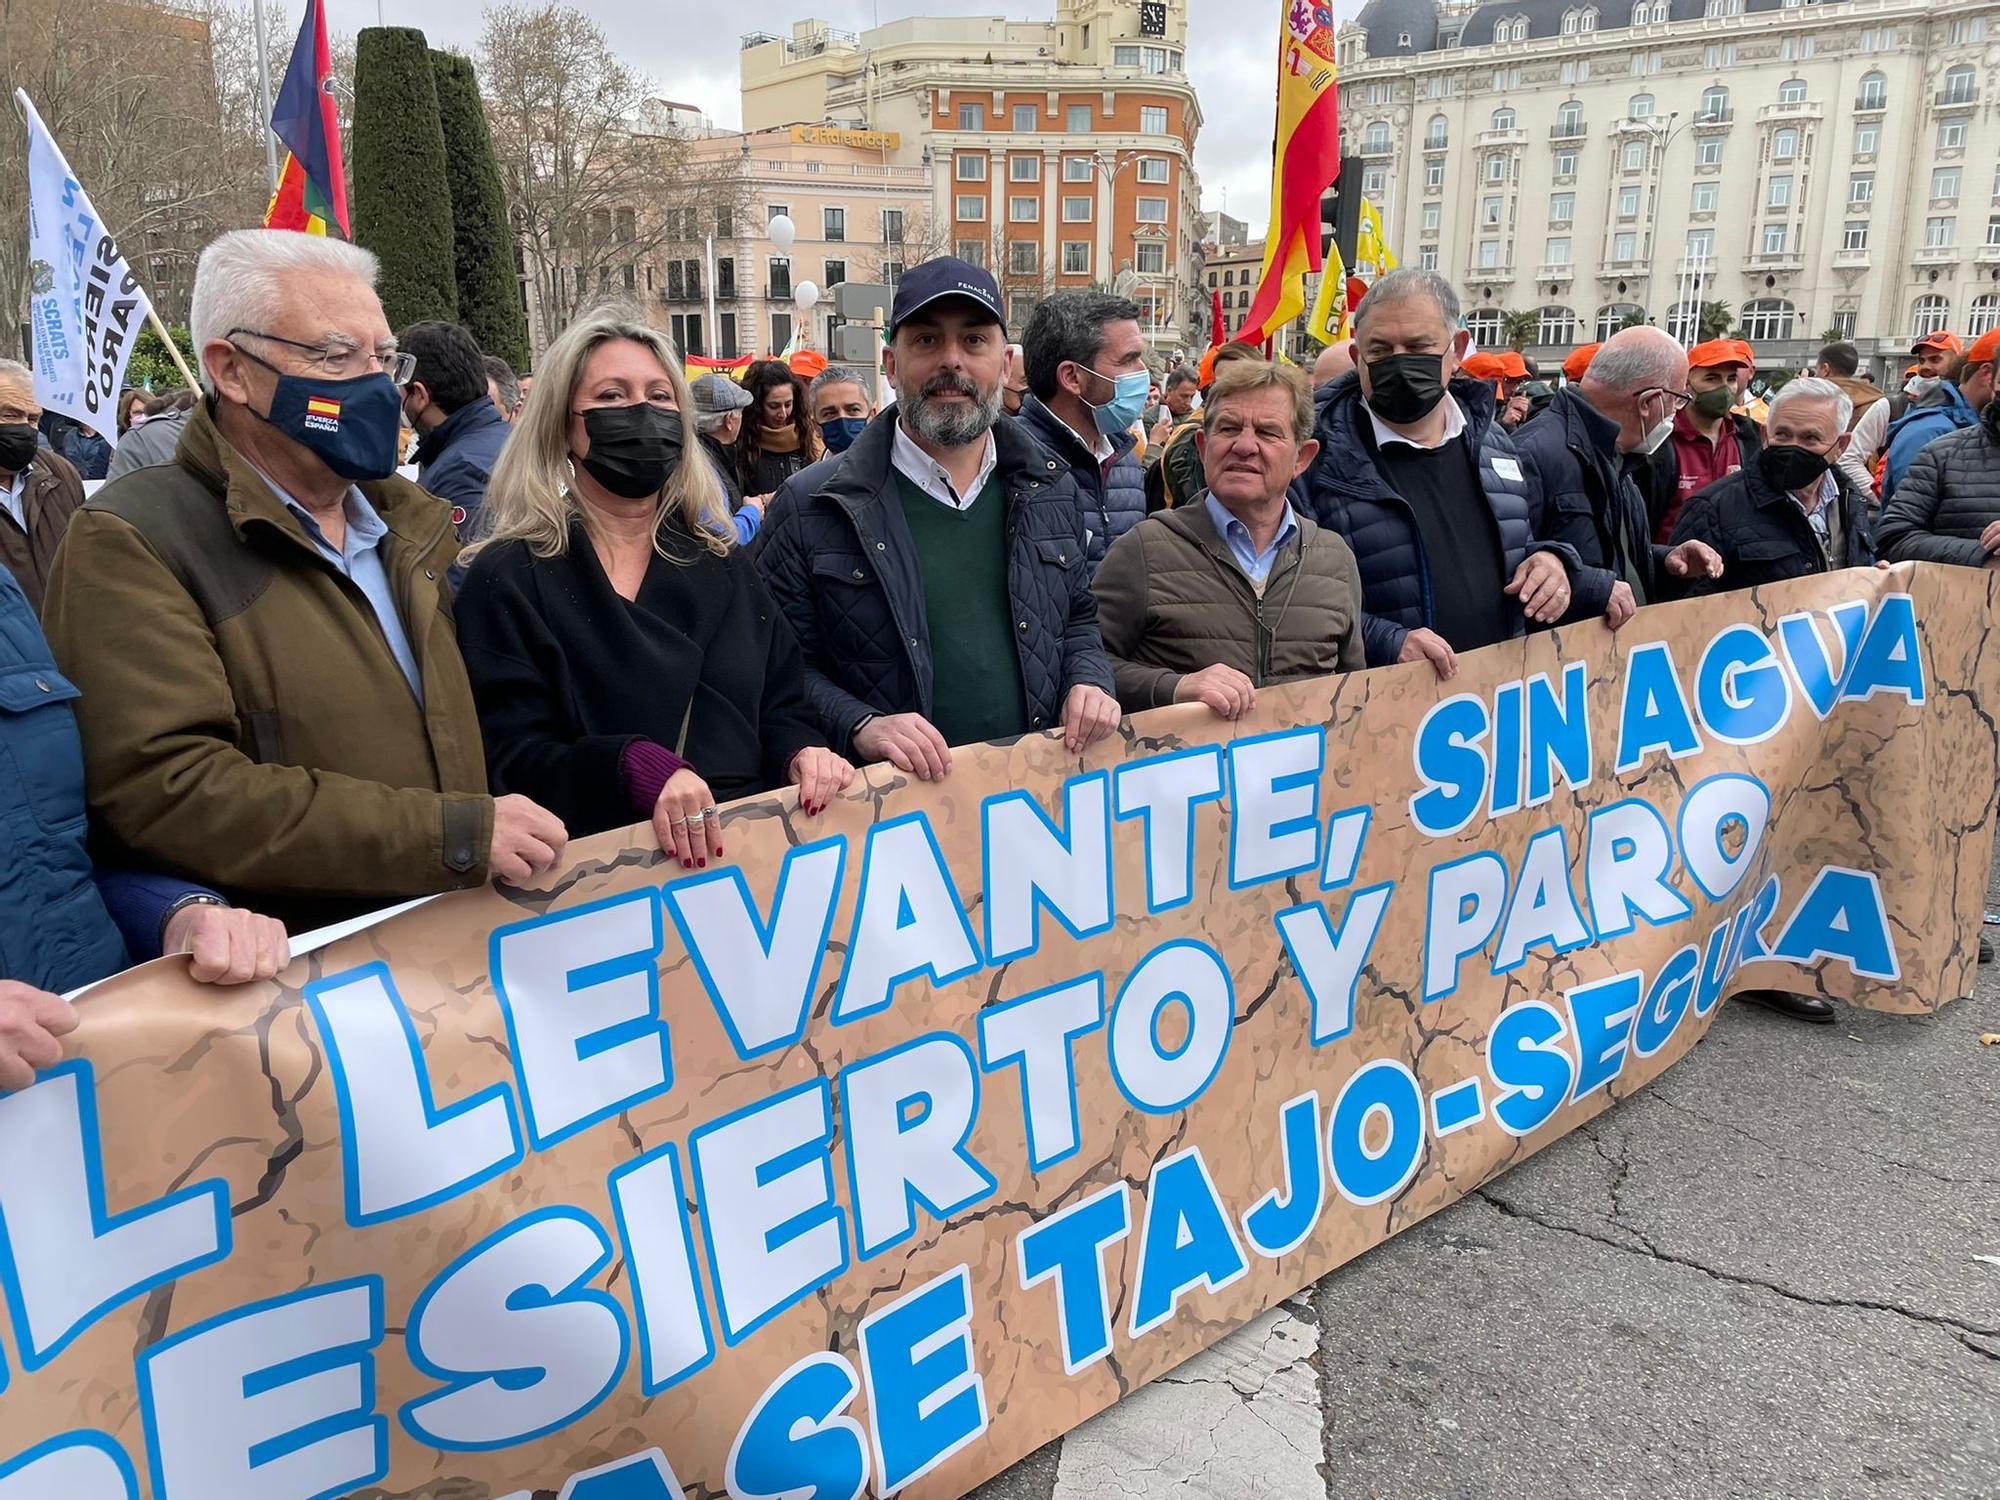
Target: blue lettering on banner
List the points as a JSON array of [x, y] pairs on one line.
[[1068, 1247], [925, 1398], [797, 1444], [1451, 765], [1384, 1090], [1185, 1241], [1280, 1221]]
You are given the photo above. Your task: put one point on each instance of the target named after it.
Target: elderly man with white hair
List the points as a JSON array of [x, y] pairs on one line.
[[273, 701]]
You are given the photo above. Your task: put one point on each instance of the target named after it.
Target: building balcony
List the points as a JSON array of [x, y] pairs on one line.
[[1937, 255], [1851, 260], [1437, 143], [1867, 104], [1500, 138], [1763, 262], [1372, 151], [1720, 119], [1955, 99], [1561, 133], [1695, 267], [1498, 275], [1638, 125], [1987, 255], [1624, 270], [1562, 272], [1772, 114]]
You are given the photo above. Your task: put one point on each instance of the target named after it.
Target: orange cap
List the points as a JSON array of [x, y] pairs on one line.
[[1718, 352], [1985, 349], [807, 363], [1579, 361], [1951, 343], [1744, 349], [1503, 364]]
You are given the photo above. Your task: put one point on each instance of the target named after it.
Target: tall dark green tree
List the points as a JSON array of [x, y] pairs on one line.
[[401, 204], [489, 295]]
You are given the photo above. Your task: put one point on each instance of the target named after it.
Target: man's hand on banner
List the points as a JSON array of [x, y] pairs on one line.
[[1428, 645], [908, 742], [226, 944], [1221, 687], [818, 773], [1621, 606], [1694, 560], [1543, 586], [1089, 714], [527, 840], [31, 1021]]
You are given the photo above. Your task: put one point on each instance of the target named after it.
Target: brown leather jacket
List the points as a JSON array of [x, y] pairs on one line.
[[52, 494]]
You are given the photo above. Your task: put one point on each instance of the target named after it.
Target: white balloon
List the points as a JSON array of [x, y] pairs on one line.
[[782, 231], [805, 294]]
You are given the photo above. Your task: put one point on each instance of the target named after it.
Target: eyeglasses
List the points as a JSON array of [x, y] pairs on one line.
[[1680, 399], [338, 361]]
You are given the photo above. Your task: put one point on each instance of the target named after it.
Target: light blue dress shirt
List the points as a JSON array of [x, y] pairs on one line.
[[15, 497], [1256, 565], [360, 562]]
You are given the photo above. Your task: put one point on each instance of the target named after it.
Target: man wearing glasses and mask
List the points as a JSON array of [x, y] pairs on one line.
[[1584, 450], [273, 702]]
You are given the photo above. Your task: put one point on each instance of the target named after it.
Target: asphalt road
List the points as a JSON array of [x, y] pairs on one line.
[[1758, 1278]]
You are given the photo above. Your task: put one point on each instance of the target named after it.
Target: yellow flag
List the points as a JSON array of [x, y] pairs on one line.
[[1371, 246], [1328, 319]]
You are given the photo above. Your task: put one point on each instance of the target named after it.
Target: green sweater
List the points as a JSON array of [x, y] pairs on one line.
[[976, 689]]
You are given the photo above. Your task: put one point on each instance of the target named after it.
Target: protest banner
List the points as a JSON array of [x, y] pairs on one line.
[[921, 1131], [85, 307]]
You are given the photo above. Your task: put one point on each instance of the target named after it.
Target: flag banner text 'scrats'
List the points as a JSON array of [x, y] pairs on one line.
[[85, 307], [1305, 159], [931, 1126]]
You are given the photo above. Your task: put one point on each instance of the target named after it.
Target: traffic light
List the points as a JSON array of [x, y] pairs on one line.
[[1340, 212]]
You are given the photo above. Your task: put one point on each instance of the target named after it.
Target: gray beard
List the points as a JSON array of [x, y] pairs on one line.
[[948, 427]]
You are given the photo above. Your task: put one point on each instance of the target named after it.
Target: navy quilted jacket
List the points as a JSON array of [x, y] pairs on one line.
[[1113, 504], [1343, 490], [839, 560]]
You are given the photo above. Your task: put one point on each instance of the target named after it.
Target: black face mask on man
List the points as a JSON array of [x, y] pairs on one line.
[[1788, 467], [17, 446], [1405, 388], [634, 449]]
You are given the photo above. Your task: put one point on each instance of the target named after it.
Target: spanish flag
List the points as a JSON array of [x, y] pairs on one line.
[[313, 186], [1305, 159]]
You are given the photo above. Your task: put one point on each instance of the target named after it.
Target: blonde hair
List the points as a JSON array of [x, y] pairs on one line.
[[529, 498]]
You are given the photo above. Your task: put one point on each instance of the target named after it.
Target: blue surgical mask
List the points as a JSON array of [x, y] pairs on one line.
[[352, 425], [1128, 400], [841, 432]]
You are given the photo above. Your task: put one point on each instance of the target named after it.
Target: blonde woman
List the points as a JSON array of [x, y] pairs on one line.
[[627, 660]]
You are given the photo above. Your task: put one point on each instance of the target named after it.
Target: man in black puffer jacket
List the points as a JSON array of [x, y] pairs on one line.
[[1427, 489], [1947, 509], [942, 510], [1087, 379]]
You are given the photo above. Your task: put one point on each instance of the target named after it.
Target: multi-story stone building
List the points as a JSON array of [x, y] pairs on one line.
[[1234, 270], [1822, 168], [1059, 153]]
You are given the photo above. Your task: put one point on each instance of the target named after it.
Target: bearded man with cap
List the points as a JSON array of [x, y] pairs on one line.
[[935, 573], [1711, 438], [1923, 385]]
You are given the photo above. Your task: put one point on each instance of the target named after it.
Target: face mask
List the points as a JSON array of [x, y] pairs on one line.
[[17, 446], [352, 426], [1405, 388], [1128, 399], [1715, 403], [1788, 467], [841, 432], [634, 449], [1919, 386]]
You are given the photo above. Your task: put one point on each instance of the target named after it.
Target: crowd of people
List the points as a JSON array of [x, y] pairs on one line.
[[262, 680]]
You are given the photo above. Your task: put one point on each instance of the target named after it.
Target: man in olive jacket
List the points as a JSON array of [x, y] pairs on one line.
[[1207, 602], [273, 702]]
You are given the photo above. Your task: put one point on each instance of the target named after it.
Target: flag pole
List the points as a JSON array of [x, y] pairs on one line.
[[173, 349], [264, 92]]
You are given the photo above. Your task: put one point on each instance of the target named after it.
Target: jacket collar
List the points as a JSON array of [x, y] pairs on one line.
[[471, 417], [1052, 432], [867, 474], [1588, 429]]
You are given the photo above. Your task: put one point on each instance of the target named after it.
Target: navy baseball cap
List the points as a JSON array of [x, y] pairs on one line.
[[935, 280]]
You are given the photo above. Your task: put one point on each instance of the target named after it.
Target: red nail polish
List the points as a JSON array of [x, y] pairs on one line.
[[702, 863]]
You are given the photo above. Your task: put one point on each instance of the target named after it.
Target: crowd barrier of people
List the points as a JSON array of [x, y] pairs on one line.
[[262, 680]]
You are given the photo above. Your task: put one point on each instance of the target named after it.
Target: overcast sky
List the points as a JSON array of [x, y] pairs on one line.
[[1231, 49]]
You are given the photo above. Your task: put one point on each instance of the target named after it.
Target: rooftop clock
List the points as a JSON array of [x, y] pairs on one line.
[[1152, 18]]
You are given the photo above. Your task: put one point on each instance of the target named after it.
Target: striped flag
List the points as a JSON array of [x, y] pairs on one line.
[[1305, 159], [312, 188]]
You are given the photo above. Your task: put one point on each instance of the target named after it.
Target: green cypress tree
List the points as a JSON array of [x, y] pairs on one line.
[[489, 295], [402, 204]]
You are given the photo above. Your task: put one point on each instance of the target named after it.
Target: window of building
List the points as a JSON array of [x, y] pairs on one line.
[[892, 226], [1024, 169], [1968, 31], [1614, 316], [972, 206], [1866, 139], [1078, 117], [1714, 104], [1124, 57], [1503, 119], [778, 270], [1792, 91], [1076, 168], [1767, 319], [1496, 169], [1993, 230], [781, 330], [1562, 207], [1785, 144], [776, 210], [1929, 314], [1565, 164], [1589, 18], [1438, 136], [970, 117], [1489, 254], [1433, 214], [726, 335], [1628, 202], [1555, 252], [1076, 210], [1774, 238], [1985, 314], [1556, 325], [1708, 153], [1153, 119], [1574, 72], [1027, 119], [972, 252], [1427, 258], [1640, 106], [1020, 307], [1151, 210], [1484, 324], [1152, 169], [1944, 183], [833, 225], [1374, 181], [1490, 211], [1861, 187], [836, 272], [1434, 174], [1951, 134], [1957, 85], [1796, 48], [1719, 55], [1703, 197], [1634, 158], [1780, 195], [1700, 246], [1854, 235], [1940, 232], [1076, 257], [1153, 60], [725, 222], [1375, 139], [1625, 246], [1569, 120], [1024, 258], [970, 166], [1874, 92], [1150, 258], [1024, 210], [1844, 320]]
